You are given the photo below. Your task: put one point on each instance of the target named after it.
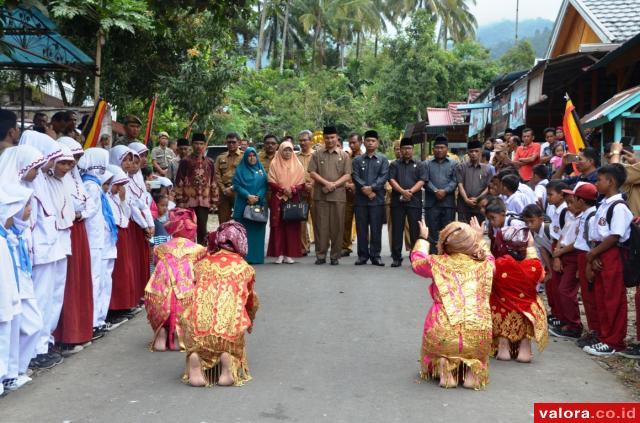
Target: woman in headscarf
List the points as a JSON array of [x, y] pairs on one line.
[[224, 306], [98, 213], [51, 244], [518, 313], [123, 291], [457, 331], [74, 326], [170, 290], [250, 186], [286, 180], [142, 227]]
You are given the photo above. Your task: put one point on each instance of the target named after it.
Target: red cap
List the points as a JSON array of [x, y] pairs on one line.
[[583, 190]]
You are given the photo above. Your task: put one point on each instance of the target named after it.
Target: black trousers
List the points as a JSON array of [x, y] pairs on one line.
[[202, 214], [369, 220], [437, 218], [466, 215], [398, 215]]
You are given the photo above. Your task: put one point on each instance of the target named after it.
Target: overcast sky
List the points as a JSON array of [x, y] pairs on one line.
[[489, 11]]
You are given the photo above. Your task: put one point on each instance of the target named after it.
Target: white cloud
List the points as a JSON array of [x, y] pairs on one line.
[[489, 11]]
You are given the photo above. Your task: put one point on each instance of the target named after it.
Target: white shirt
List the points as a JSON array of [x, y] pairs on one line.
[[542, 241], [569, 230], [94, 219], [620, 221], [516, 202], [528, 193], [541, 191], [555, 220], [581, 242]]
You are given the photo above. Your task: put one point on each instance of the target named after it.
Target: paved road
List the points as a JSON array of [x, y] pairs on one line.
[[330, 344]]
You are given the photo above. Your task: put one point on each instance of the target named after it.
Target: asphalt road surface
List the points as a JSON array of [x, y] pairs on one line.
[[330, 344]]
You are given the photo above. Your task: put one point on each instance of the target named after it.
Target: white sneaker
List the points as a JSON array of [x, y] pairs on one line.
[[279, 260], [288, 260], [23, 380]]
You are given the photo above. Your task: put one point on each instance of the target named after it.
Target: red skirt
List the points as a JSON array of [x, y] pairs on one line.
[[122, 291], [76, 320], [141, 260]]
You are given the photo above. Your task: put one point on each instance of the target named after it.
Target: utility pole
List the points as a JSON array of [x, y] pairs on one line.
[[517, 9]]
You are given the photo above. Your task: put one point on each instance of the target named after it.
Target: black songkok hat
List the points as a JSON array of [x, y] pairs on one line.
[[198, 136], [441, 140], [371, 134], [183, 142], [329, 130], [406, 141], [474, 145]]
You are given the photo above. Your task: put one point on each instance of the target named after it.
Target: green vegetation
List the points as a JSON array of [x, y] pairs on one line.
[[279, 66]]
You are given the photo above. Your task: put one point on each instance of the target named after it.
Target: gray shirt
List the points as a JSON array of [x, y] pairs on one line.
[[441, 175], [474, 179], [372, 172], [407, 174]]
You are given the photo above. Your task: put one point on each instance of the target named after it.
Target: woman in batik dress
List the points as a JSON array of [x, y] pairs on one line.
[[518, 313], [223, 309], [457, 331], [170, 289]]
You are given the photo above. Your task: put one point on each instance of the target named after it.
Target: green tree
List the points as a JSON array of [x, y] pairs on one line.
[[519, 57]]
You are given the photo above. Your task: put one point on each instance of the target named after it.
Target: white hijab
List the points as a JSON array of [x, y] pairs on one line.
[[94, 162], [118, 153], [16, 162], [13, 199], [61, 191], [79, 193], [119, 178], [51, 150]]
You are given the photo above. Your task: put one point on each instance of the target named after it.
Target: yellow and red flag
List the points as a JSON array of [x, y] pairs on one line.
[[571, 128], [92, 129], [152, 110]]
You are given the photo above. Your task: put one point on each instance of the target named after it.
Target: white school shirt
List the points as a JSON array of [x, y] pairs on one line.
[[516, 202], [541, 191], [542, 241], [9, 295], [555, 220], [570, 230], [94, 219], [581, 243], [620, 221], [529, 194]]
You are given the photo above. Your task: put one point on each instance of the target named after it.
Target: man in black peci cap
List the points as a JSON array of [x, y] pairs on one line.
[[473, 181], [330, 169], [370, 171], [195, 184]]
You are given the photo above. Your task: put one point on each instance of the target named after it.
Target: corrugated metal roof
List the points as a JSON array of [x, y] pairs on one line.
[[439, 116], [613, 107], [621, 18]]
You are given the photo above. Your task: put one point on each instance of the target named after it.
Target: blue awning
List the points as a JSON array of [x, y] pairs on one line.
[[30, 43]]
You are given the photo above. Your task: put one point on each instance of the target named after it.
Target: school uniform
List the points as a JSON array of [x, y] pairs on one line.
[[587, 291], [528, 193], [566, 294], [610, 291], [541, 192], [516, 202], [95, 224], [558, 218], [10, 308]]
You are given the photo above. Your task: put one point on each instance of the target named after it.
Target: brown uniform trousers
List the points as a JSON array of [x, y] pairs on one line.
[[224, 168], [306, 235], [347, 233]]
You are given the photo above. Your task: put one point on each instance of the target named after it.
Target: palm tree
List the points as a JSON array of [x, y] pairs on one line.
[[456, 20], [284, 35], [263, 17]]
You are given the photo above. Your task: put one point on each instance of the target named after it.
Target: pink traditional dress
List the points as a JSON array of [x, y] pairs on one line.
[[171, 287], [458, 324]]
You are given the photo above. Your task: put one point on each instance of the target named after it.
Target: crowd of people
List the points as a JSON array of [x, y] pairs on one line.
[[90, 237]]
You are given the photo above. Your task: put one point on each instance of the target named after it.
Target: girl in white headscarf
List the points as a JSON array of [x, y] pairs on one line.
[[143, 228], [50, 247], [114, 248], [17, 338], [93, 166]]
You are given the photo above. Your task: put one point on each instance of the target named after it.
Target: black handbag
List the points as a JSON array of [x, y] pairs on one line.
[[256, 213], [295, 212]]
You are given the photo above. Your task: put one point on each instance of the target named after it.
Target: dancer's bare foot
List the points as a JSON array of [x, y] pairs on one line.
[[470, 379], [504, 353], [446, 378], [225, 379], [524, 353], [196, 378], [160, 343]]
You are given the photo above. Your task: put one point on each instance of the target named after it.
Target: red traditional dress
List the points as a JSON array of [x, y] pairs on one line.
[[171, 286], [224, 306], [284, 237], [517, 311]]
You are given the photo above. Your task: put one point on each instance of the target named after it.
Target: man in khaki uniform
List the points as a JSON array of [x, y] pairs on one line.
[[355, 144], [162, 155], [305, 154], [225, 167], [268, 151], [330, 169]]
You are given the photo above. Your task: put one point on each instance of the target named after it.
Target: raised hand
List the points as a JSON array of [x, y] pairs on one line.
[[424, 230]]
